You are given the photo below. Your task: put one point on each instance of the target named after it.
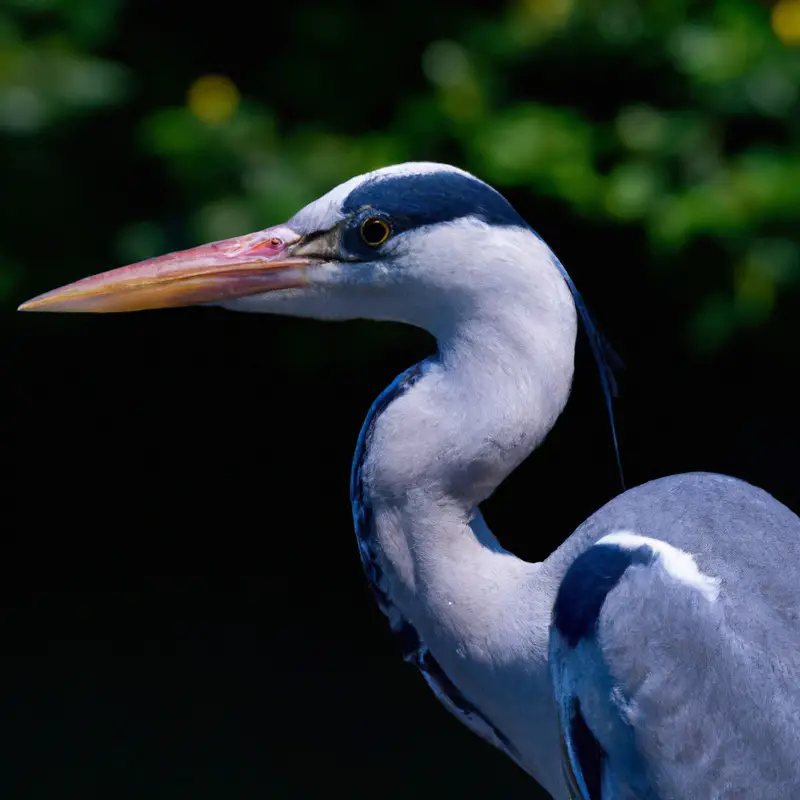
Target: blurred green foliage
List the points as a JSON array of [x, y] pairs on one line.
[[678, 120]]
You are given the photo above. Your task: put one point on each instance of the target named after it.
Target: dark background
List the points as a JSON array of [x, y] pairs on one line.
[[183, 609]]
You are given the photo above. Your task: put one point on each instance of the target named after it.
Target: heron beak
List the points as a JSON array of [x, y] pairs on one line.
[[252, 264]]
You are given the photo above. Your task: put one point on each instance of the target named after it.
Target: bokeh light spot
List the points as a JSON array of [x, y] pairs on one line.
[[445, 63], [552, 12], [213, 98], [786, 21]]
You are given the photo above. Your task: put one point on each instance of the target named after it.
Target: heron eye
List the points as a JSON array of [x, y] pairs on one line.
[[375, 231]]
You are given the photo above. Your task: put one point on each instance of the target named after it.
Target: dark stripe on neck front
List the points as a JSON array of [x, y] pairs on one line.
[[413, 648], [362, 511]]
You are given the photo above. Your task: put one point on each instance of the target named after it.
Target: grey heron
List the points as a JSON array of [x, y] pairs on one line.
[[656, 653]]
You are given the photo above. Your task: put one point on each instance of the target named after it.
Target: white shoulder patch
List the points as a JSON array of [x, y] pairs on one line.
[[679, 565]]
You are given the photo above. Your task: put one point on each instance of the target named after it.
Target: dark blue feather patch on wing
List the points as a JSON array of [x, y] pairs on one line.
[[587, 583], [583, 758]]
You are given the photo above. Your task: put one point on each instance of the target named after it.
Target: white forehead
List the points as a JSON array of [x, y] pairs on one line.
[[326, 212]]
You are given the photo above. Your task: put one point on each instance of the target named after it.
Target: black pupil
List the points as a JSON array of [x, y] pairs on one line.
[[374, 231]]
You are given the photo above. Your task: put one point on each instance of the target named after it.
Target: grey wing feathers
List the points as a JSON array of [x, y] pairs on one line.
[[677, 703]]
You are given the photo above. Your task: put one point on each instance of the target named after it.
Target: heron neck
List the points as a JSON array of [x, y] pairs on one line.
[[437, 450], [480, 406], [441, 447]]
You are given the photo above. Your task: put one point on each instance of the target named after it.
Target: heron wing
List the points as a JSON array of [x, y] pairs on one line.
[[658, 695]]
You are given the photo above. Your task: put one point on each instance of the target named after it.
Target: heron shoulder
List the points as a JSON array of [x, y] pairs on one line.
[[599, 570], [655, 659]]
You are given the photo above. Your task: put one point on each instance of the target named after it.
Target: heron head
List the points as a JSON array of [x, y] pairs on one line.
[[418, 243], [422, 243]]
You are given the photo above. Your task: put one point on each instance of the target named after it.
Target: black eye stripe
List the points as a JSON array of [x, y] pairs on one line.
[[414, 200]]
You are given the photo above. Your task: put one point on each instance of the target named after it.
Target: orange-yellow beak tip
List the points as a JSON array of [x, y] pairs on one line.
[[40, 303]]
